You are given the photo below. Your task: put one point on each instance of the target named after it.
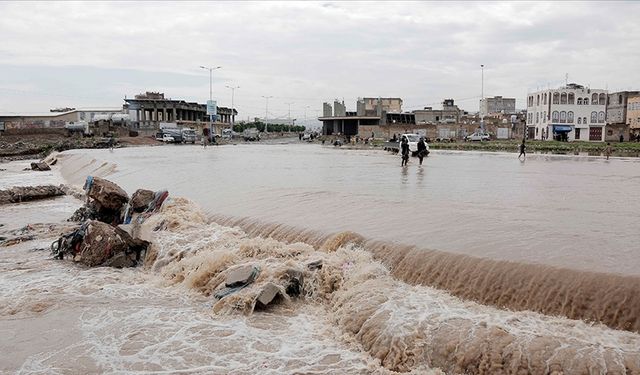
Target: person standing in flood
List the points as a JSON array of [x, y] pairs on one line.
[[607, 150], [523, 149], [404, 150], [422, 149]]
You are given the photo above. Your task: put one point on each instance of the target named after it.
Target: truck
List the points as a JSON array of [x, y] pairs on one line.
[[251, 134], [188, 135], [78, 127]]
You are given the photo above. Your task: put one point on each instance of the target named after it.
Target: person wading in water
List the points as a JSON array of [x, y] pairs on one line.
[[404, 149], [422, 149], [523, 149]]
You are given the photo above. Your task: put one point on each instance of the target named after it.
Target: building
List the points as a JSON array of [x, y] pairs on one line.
[[373, 115], [449, 114], [497, 104], [55, 118], [633, 114], [572, 112], [617, 115], [147, 111]]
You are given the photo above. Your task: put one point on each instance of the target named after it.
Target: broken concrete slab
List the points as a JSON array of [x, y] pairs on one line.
[[29, 193], [100, 242], [315, 265], [269, 292], [242, 275]]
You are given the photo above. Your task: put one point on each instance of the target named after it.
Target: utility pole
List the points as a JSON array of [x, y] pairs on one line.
[[266, 112], [233, 116], [210, 95]]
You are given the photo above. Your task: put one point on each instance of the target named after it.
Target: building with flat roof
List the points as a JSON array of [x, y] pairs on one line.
[[633, 114], [372, 115], [449, 114], [55, 118], [571, 112], [497, 104]]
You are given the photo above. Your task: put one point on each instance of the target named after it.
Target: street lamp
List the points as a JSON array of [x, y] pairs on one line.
[[233, 90], [482, 100], [266, 112], [210, 94]]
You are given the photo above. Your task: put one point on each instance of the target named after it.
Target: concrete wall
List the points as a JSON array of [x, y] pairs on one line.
[[633, 113], [326, 110], [617, 106], [497, 104]]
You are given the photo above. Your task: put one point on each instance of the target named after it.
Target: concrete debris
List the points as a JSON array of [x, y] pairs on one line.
[[40, 166], [315, 265], [140, 200], [29, 193], [268, 294], [242, 275]]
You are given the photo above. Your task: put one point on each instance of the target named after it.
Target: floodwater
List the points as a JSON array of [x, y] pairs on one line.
[[462, 223], [564, 211]]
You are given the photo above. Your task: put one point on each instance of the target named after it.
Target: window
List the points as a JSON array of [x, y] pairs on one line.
[[571, 98], [556, 98], [563, 117], [603, 100], [537, 131], [579, 120], [595, 133], [584, 120], [544, 116], [609, 132], [537, 117], [578, 131], [579, 101], [594, 117], [569, 117], [555, 116], [601, 117], [594, 99], [563, 98], [619, 99], [545, 98], [538, 100]]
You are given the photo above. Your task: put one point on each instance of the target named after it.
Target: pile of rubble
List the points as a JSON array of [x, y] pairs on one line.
[[109, 221], [29, 193]]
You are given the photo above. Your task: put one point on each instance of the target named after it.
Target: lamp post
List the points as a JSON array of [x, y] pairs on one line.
[[233, 117], [210, 69], [266, 112], [482, 100]]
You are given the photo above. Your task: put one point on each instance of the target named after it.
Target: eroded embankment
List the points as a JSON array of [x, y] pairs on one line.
[[405, 327], [610, 299]]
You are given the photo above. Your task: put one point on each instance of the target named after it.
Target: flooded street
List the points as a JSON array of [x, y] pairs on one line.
[[562, 211]]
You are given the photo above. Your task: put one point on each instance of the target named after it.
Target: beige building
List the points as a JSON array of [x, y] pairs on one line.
[[497, 104], [449, 114], [633, 114]]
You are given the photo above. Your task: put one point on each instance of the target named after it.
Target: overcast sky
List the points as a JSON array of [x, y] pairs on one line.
[[94, 54]]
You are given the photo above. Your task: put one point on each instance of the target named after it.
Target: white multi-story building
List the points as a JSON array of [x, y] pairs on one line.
[[568, 113]]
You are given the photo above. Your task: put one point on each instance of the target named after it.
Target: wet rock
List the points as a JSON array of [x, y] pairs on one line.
[[268, 294], [29, 193], [101, 242], [315, 265], [140, 200], [241, 276], [121, 260], [40, 166], [294, 279], [84, 213], [107, 194]]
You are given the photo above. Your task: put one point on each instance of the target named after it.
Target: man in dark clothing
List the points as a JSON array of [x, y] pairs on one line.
[[422, 149], [522, 150], [404, 148]]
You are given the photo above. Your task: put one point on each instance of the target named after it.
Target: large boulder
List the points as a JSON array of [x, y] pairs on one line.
[[108, 246], [107, 194], [140, 200], [40, 166]]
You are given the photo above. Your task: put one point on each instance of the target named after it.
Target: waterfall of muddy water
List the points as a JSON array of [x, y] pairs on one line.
[[550, 234]]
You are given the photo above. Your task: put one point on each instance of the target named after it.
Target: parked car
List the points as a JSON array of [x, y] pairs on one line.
[[478, 136], [166, 138], [413, 142], [188, 136], [306, 137]]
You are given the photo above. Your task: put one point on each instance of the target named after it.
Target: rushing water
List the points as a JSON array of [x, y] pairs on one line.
[[356, 314]]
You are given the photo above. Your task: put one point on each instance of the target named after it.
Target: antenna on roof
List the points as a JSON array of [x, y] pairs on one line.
[[566, 79]]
